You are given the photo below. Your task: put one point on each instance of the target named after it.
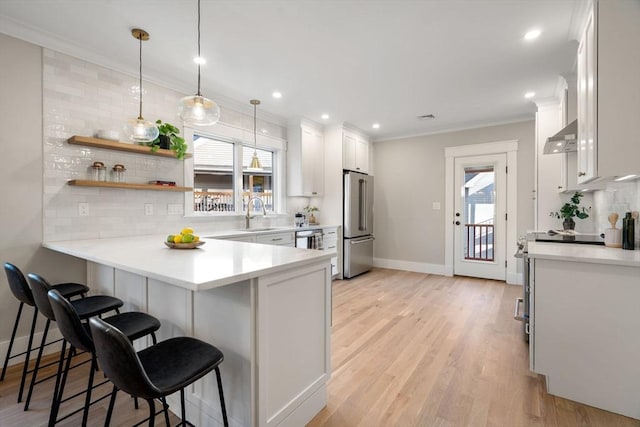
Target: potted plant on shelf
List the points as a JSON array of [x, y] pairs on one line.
[[312, 217], [570, 210], [168, 139]]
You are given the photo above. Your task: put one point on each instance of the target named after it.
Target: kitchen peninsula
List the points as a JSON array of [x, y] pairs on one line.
[[584, 323], [268, 308]]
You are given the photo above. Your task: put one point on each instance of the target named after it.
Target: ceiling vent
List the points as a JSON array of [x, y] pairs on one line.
[[427, 117]]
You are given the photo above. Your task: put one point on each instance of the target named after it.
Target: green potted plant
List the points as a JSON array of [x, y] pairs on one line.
[[168, 139], [570, 210], [310, 210]]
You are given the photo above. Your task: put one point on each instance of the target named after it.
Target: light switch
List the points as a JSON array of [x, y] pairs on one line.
[[83, 209], [148, 209], [436, 206]]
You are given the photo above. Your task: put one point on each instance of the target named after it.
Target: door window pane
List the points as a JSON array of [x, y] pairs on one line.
[[479, 213]]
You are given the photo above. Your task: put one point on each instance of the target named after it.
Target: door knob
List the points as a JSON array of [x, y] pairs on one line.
[[457, 222], [457, 213]]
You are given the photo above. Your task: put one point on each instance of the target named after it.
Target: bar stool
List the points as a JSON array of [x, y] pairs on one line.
[[156, 371], [133, 324], [86, 307], [20, 289]]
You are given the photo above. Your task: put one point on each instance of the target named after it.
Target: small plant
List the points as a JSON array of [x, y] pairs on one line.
[[570, 210], [177, 143], [311, 209]]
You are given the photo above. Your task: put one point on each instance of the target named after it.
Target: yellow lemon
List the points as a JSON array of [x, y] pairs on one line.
[[187, 238], [196, 238], [177, 238], [187, 230], [170, 238]]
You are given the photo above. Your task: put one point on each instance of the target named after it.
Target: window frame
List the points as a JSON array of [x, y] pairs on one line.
[[239, 139]]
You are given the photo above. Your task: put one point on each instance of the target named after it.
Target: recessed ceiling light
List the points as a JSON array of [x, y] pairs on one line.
[[376, 126], [325, 116], [532, 34], [529, 95], [276, 95], [263, 130], [559, 144], [199, 60]]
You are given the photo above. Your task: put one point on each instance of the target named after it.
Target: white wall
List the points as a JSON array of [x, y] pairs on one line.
[[21, 175], [410, 178]]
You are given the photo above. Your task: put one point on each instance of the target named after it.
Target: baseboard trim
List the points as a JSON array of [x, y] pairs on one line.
[[417, 267], [20, 345]]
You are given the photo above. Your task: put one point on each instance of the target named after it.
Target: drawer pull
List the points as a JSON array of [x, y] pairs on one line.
[[276, 240]]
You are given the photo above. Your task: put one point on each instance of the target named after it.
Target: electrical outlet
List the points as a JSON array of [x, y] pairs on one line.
[[83, 209], [148, 209]]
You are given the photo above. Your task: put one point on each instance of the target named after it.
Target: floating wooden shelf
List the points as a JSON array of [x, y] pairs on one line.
[[106, 184], [88, 141]]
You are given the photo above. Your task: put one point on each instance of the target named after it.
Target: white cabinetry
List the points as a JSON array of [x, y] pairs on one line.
[[305, 161], [609, 91], [355, 152], [277, 239], [330, 244]]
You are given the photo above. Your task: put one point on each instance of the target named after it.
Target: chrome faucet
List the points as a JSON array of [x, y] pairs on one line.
[[248, 217]]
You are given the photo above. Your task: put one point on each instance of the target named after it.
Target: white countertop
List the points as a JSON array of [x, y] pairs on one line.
[[216, 263], [223, 234], [583, 253]]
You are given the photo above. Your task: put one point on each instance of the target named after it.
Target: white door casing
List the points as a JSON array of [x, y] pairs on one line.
[[510, 148], [495, 267]]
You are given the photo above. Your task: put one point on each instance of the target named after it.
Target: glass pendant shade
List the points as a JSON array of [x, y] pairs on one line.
[[141, 130], [198, 110]]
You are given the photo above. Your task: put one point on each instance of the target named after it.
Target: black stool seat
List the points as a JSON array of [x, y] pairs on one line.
[[133, 324], [156, 371], [173, 364], [95, 305], [71, 289]]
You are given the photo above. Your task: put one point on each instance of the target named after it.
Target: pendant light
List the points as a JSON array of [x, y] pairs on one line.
[[139, 129], [196, 109], [255, 165]]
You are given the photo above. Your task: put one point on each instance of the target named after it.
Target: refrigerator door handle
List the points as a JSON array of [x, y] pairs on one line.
[[362, 199], [355, 242]]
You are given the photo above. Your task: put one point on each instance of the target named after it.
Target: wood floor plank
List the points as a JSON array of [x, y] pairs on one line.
[[418, 350]]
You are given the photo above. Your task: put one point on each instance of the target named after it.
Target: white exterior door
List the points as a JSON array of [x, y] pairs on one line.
[[480, 190]]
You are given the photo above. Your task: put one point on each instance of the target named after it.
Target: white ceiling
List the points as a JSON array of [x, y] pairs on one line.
[[387, 61]]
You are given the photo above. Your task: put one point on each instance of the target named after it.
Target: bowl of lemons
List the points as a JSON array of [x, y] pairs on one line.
[[186, 239]]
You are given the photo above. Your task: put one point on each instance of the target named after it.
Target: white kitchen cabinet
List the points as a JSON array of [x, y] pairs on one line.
[[330, 244], [355, 152], [583, 328], [609, 91], [305, 161], [277, 239]]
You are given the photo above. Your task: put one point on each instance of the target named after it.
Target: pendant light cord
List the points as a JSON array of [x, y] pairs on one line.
[[140, 40], [199, 57], [255, 137]]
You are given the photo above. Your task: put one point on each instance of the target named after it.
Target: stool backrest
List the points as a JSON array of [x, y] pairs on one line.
[[120, 361], [18, 284], [69, 322], [39, 288]]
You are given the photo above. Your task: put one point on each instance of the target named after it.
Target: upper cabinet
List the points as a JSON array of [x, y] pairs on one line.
[[305, 161], [355, 152], [609, 91]]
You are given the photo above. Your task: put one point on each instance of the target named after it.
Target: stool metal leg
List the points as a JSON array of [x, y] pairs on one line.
[[55, 401], [35, 369], [221, 393], [112, 402], [25, 368], [152, 412], [87, 401], [13, 336]]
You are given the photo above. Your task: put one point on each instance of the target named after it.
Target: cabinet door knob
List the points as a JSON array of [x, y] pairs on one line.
[[560, 187], [457, 222], [582, 173]]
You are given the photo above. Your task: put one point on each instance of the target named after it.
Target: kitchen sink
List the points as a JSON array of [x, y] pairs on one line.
[[257, 229]]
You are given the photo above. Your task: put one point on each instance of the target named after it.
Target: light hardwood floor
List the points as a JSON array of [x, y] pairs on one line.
[[408, 349], [411, 349]]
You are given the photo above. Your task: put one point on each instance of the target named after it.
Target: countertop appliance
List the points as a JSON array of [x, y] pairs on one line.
[[522, 253], [358, 223]]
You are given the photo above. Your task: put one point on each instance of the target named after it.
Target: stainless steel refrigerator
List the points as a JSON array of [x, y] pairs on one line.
[[357, 223]]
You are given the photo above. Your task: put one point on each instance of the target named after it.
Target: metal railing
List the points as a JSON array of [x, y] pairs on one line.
[[222, 201], [479, 242]]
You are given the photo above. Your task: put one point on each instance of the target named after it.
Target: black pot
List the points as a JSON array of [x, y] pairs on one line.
[[165, 141], [569, 224]]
